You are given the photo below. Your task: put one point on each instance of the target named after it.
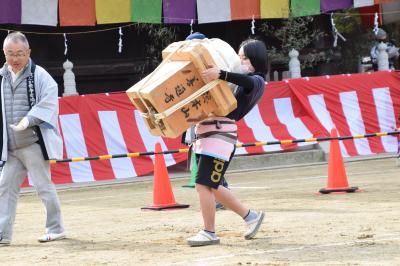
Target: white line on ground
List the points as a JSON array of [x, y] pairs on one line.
[[326, 176], [236, 187], [274, 251], [283, 180]]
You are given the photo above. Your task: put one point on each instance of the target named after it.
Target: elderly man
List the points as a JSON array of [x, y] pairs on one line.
[[29, 136]]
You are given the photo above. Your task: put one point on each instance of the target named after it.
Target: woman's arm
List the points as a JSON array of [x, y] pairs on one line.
[[242, 80], [214, 73]]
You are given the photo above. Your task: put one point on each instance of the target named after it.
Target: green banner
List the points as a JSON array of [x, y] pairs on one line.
[[146, 11], [305, 7]]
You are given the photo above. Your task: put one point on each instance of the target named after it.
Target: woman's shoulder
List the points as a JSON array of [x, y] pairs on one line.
[[258, 77]]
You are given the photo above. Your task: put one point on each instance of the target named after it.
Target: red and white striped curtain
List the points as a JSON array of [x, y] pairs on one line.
[[301, 108]]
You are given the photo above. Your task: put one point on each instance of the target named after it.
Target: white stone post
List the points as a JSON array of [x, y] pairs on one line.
[[69, 79], [276, 76], [383, 57], [294, 64]]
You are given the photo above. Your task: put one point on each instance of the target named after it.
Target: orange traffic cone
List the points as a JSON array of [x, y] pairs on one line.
[[163, 197], [337, 179]]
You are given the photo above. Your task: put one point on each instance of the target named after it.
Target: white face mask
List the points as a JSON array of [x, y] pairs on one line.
[[244, 69]]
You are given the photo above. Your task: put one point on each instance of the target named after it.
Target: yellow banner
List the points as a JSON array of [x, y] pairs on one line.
[[274, 8], [113, 11]]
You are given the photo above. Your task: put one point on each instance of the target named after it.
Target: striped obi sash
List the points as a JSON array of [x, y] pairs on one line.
[[216, 137]]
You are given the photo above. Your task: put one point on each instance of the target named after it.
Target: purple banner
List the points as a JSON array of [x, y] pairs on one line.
[[10, 11], [179, 11], [329, 5]]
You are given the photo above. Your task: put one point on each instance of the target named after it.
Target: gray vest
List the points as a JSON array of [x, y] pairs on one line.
[[16, 106]]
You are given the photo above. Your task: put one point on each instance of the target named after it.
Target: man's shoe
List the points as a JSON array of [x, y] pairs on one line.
[[202, 239], [51, 237], [254, 225], [4, 242]]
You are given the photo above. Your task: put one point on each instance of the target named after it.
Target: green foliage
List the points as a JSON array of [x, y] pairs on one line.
[[157, 37], [358, 42], [348, 22], [293, 33]]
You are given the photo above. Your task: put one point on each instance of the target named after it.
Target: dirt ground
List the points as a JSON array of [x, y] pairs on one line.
[[106, 226]]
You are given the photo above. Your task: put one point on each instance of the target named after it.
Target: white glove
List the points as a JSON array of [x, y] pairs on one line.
[[22, 125]]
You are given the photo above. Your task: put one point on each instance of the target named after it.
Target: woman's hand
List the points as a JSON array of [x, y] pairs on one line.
[[210, 74]]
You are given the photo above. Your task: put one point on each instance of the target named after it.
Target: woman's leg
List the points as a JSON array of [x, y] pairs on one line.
[[207, 204], [226, 197], [253, 219]]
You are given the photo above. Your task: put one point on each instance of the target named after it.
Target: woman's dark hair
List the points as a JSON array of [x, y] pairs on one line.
[[256, 51]]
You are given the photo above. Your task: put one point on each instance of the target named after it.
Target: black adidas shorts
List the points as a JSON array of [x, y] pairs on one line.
[[211, 170]]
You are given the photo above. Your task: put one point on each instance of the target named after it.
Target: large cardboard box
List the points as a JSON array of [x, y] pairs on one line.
[[160, 96]]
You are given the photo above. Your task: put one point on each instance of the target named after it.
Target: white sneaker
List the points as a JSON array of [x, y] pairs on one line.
[[254, 225], [202, 239], [51, 237], [4, 242]]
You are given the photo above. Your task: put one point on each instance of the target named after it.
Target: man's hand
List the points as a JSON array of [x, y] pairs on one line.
[[22, 125]]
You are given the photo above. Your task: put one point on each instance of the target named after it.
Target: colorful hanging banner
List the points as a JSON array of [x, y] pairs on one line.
[[147, 11], [113, 11], [329, 5], [39, 12], [300, 8], [390, 12], [179, 11], [383, 1], [209, 11], [274, 8], [10, 11], [361, 3], [245, 9], [77, 12]]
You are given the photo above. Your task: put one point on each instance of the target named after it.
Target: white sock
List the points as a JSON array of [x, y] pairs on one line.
[[250, 216]]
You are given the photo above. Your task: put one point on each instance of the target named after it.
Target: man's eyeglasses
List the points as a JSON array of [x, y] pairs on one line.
[[17, 55]]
